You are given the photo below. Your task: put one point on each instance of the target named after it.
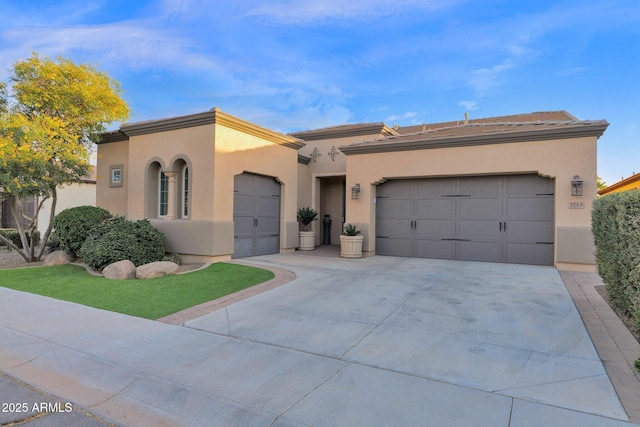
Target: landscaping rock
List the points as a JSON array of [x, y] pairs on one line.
[[156, 269], [58, 258], [120, 270]]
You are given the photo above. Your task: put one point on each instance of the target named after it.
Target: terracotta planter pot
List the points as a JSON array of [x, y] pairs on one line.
[[307, 240], [351, 246]]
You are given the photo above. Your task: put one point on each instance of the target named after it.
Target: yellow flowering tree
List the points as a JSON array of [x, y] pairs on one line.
[[49, 121]]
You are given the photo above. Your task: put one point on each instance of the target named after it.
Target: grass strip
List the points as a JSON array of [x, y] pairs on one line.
[[148, 298]]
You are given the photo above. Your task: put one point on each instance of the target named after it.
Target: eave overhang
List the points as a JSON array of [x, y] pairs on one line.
[[345, 131], [214, 116], [430, 140]]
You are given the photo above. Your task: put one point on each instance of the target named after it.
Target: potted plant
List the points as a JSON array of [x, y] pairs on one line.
[[351, 242], [307, 237]]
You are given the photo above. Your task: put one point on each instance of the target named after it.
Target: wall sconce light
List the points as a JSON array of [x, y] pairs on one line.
[[355, 192], [576, 186]]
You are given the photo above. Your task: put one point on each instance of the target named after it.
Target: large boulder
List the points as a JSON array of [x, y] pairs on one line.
[[120, 270], [58, 258], [156, 269]]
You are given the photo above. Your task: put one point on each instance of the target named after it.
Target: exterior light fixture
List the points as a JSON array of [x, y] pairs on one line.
[[333, 153], [315, 154], [355, 192], [577, 186]]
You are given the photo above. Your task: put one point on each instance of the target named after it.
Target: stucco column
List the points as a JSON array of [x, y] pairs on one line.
[[171, 196]]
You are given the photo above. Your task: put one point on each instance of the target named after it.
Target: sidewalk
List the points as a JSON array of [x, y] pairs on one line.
[[617, 348]]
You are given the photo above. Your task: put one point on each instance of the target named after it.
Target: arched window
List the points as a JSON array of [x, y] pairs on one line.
[[185, 192], [163, 194]]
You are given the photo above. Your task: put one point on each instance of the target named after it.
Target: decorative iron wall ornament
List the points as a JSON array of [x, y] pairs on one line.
[[333, 153], [315, 154]]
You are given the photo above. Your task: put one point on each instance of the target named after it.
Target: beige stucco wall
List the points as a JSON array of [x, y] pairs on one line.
[[323, 170], [214, 154], [112, 199], [238, 152], [559, 159], [69, 196]]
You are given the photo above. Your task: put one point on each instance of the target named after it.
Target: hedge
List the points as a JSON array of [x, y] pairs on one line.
[[616, 229], [118, 239], [13, 235], [72, 226]]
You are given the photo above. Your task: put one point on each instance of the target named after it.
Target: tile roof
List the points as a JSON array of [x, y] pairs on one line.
[[344, 131], [492, 130]]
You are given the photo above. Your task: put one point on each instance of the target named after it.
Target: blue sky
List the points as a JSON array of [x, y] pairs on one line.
[[300, 64]]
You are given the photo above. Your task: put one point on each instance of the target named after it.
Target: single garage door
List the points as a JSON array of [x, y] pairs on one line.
[[489, 218], [256, 215]]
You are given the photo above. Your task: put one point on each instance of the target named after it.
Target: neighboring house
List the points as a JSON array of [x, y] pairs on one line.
[[631, 183], [69, 196], [495, 189], [7, 219], [78, 194]]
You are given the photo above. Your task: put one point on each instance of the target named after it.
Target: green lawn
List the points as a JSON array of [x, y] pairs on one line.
[[149, 298]]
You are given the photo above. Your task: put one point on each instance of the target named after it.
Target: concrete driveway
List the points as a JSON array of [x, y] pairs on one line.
[[376, 341]]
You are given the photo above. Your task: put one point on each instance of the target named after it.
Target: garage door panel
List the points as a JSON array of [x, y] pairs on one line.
[[267, 225], [267, 245], [394, 208], [435, 187], [486, 186], [242, 246], [256, 215], [530, 208], [243, 182], [396, 189], [529, 231], [394, 247], [479, 251], [441, 249], [398, 228], [434, 209], [242, 204], [528, 185], [488, 218], [266, 185], [479, 229], [530, 253], [435, 229], [267, 205], [479, 208]]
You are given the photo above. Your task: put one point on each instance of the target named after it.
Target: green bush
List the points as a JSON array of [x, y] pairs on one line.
[[118, 239], [616, 231], [72, 226], [13, 235]]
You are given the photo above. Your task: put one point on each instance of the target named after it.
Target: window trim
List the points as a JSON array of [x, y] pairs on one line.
[[184, 197], [163, 200]]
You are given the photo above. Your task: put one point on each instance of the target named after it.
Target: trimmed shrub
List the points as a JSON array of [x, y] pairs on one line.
[[616, 231], [118, 239], [13, 235], [72, 226]]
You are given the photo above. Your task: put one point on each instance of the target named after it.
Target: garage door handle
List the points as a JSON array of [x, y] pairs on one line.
[[500, 225], [503, 226]]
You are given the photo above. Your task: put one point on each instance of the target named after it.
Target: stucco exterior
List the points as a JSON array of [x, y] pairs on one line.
[[215, 147], [318, 168]]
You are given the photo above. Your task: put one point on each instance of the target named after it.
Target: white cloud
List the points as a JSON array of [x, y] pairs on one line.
[[469, 105], [313, 11]]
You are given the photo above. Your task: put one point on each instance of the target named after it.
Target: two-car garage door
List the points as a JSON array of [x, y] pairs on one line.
[[489, 218]]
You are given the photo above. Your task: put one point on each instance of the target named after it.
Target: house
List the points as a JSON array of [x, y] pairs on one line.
[[631, 183], [71, 195], [515, 189]]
